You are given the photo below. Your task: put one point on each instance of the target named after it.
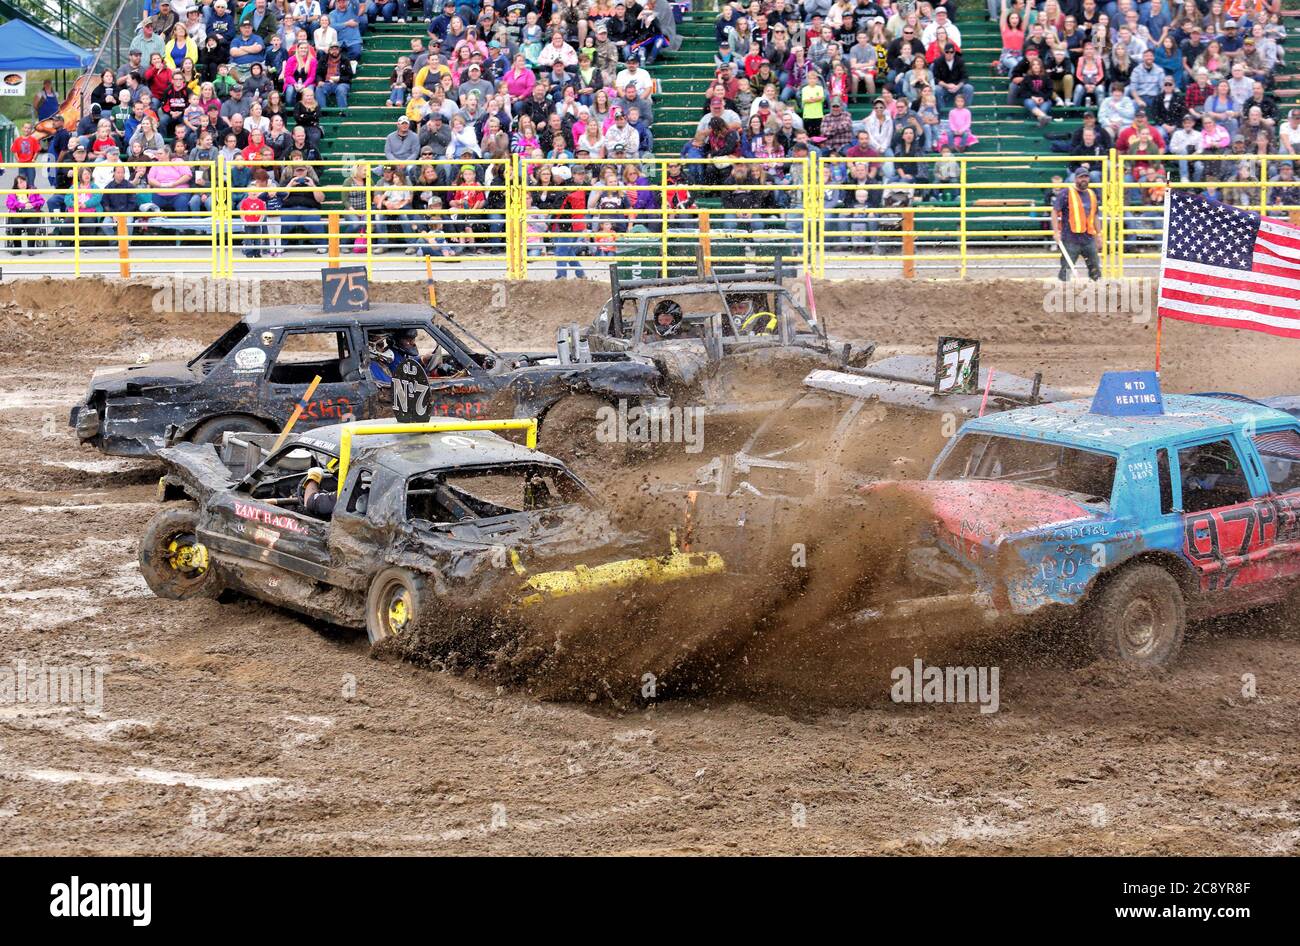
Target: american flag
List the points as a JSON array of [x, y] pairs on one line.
[[1228, 267]]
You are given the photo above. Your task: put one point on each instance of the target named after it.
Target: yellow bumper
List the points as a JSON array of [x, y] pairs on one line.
[[583, 579]]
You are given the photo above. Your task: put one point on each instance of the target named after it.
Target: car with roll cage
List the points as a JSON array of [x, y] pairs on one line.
[[720, 328], [252, 377], [433, 523], [1127, 524]]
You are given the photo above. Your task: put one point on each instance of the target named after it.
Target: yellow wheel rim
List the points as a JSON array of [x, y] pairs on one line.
[[399, 612], [188, 556]]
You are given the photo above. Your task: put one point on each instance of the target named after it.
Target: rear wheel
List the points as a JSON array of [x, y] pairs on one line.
[[214, 429], [174, 563], [1138, 617], [395, 604]]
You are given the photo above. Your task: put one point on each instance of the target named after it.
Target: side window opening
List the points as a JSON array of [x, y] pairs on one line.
[[282, 476], [303, 355], [1166, 482], [1212, 476], [1280, 451], [359, 501], [388, 345]]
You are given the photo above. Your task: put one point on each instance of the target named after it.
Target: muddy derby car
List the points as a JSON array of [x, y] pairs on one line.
[[425, 521], [1132, 513], [714, 337], [251, 378], [848, 427]]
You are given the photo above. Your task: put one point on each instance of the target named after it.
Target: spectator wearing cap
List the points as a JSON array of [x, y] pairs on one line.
[[837, 128], [622, 138], [941, 22], [245, 49], [879, 127], [633, 74], [605, 54], [718, 110], [402, 145], [1230, 41], [335, 75], [1185, 143], [164, 21], [220, 22], [1168, 108], [1285, 192], [951, 78], [474, 85]]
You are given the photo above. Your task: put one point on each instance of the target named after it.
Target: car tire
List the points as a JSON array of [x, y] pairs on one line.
[[214, 429], [1138, 617], [174, 563], [395, 604]]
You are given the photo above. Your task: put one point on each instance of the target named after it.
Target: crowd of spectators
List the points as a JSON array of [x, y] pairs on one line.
[[250, 82], [786, 74], [1169, 85], [561, 83]]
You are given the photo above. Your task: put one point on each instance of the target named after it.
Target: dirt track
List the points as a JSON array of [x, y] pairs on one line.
[[238, 728]]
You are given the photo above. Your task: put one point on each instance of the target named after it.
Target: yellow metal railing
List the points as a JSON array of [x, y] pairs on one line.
[[946, 214]]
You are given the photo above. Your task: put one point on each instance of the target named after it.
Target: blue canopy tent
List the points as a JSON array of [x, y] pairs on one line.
[[24, 47]]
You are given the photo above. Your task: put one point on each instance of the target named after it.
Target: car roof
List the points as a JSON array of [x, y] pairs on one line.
[[282, 316], [1072, 422], [728, 288], [410, 454]]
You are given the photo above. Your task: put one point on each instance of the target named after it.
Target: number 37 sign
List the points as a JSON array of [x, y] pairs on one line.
[[957, 368]]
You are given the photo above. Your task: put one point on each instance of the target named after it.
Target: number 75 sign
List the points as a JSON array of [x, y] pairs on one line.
[[957, 367], [345, 289]]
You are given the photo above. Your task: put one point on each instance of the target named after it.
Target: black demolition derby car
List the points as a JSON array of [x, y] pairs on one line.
[[251, 378], [429, 522]]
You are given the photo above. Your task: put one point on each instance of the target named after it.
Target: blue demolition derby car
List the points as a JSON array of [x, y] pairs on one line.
[[1137, 510]]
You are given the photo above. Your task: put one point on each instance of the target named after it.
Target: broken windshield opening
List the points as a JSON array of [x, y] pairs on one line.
[[1082, 473], [465, 496]]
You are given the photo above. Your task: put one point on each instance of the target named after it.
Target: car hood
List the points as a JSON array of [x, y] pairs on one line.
[[543, 539], [117, 379], [985, 512]]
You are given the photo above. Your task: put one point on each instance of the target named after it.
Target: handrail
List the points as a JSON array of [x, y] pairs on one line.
[[57, 16], [109, 30]]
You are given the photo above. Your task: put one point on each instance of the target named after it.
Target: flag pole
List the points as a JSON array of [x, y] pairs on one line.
[[1160, 322]]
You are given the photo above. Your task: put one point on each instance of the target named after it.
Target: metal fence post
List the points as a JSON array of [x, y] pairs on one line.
[[961, 211]]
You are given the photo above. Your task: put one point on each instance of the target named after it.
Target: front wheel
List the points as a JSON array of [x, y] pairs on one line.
[[1138, 617], [395, 604], [214, 429], [174, 563]]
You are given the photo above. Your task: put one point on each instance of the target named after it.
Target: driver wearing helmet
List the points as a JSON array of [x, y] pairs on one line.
[[382, 358], [666, 320]]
